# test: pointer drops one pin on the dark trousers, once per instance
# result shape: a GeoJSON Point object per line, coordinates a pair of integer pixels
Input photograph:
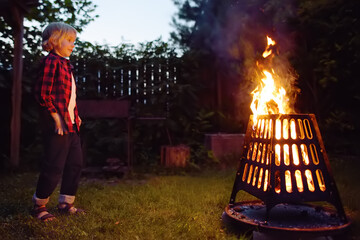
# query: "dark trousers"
{"type": "Point", "coordinates": [63, 160]}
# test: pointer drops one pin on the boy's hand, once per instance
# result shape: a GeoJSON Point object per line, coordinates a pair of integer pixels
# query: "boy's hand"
{"type": "Point", "coordinates": [60, 127]}
{"type": "Point", "coordinates": [80, 121]}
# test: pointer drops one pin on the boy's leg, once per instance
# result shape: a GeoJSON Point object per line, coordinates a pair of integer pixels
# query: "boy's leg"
{"type": "Point", "coordinates": [56, 151]}
{"type": "Point", "coordinates": [71, 176]}
{"type": "Point", "coordinates": [73, 165]}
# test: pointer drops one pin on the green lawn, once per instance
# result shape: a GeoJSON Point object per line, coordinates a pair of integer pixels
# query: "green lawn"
{"type": "Point", "coordinates": [187, 206]}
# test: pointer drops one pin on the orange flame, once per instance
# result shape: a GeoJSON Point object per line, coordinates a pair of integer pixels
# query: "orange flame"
{"type": "Point", "coordinates": [268, 97]}
{"type": "Point", "coordinates": [268, 50]}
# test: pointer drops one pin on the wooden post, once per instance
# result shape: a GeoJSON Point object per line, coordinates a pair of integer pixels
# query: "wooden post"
{"type": "Point", "coordinates": [16, 89]}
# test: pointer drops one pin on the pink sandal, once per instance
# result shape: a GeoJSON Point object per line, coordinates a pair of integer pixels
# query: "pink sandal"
{"type": "Point", "coordinates": [37, 213]}
{"type": "Point", "coordinates": [69, 209]}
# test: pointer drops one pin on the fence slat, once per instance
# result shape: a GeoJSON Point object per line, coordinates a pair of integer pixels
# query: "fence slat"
{"type": "Point", "coordinates": [146, 82]}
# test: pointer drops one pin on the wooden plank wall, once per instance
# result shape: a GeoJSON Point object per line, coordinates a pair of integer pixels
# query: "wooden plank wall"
{"type": "Point", "coordinates": [96, 79]}
{"type": "Point", "coordinates": [145, 82]}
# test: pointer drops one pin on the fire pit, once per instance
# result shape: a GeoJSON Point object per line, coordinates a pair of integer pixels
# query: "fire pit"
{"type": "Point", "coordinates": [287, 219]}
{"type": "Point", "coordinates": [284, 164]}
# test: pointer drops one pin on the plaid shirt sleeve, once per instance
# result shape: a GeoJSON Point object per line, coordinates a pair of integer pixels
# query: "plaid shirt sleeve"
{"type": "Point", "coordinates": [53, 88]}
{"type": "Point", "coordinates": [44, 86]}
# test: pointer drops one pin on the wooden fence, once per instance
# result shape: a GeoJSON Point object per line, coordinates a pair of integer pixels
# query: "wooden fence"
{"type": "Point", "coordinates": [145, 82]}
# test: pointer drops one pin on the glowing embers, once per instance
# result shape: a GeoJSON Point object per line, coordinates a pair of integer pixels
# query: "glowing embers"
{"type": "Point", "coordinates": [309, 181]}
{"type": "Point", "coordinates": [284, 161]}
{"type": "Point", "coordinates": [256, 176]}
{"type": "Point", "coordinates": [263, 129]}
{"type": "Point", "coordinates": [320, 179]}
{"type": "Point", "coordinates": [259, 152]}
{"type": "Point", "coordinates": [259, 178]}
{"type": "Point", "coordinates": [289, 128]}
{"type": "Point", "coordinates": [304, 154]}
{"type": "Point", "coordinates": [288, 181]}
{"type": "Point", "coordinates": [290, 140]}
{"type": "Point", "coordinates": [295, 156]}
{"type": "Point", "coordinates": [299, 182]}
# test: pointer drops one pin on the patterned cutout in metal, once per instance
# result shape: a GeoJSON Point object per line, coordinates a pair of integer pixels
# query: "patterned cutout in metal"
{"type": "Point", "coordinates": [284, 161]}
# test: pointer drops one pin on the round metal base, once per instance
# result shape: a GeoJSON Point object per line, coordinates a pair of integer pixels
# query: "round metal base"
{"type": "Point", "coordinates": [287, 218]}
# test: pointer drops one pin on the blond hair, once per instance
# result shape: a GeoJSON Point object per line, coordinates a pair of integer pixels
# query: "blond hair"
{"type": "Point", "coordinates": [54, 33]}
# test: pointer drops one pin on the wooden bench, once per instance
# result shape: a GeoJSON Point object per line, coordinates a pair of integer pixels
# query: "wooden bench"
{"type": "Point", "coordinates": [113, 109]}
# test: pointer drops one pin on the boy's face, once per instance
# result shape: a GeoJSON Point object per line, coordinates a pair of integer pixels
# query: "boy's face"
{"type": "Point", "coordinates": [65, 46]}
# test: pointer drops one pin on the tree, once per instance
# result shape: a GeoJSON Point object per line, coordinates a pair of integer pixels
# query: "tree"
{"type": "Point", "coordinates": [327, 61]}
{"type": "Point", "coordinates": [329, 56]}
{"type": "Point", "coordinates": [224, 39]}
{"type": "Point", "coordinates": [77, 13]}
{"type": "Point", "coordinates": [319, 38]}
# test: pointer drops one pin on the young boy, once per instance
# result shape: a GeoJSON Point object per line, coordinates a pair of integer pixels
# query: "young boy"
{"type": "Point", "coordinates": [55, 91]}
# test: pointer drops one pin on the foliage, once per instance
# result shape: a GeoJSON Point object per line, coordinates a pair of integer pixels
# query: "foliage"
{"type": "Point", "coordinates": [78, 13]}
{"type": "Point", "coordinates": [108, 140]}
{"type": "Point", "coordinates": [221, 41]}
{"type": "Point", "coordinates": [183, 122]}
{"type": "Point", "coordinates": [320, 39]}
{"type": "Point", "coordinates": [223, 38]}
{"type": "Point", "coordinates": [328, 59]}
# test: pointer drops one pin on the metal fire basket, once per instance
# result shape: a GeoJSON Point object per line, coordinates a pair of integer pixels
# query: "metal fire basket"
{"type": "Point", "coordinates": [284, 162]}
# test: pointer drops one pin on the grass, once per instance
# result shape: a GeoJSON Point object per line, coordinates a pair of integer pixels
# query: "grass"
{"type": "Point", "coordinates": [150, 207]}
{"type": "Point", "coordinates": [187, 206]}
{"type": "Point", "coordinates": [346, 174]}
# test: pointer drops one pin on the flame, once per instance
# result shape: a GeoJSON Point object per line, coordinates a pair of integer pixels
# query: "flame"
{"type": "Point", "coordinates": [268, 96]}
{"type": "Point", "coordinates": [268, 50]}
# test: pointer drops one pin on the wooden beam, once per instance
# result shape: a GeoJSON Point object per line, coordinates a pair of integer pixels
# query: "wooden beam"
{"type": "Point", "coordinates": [18, 28]}
{"type": "Point", "coordinates": [13, 12]}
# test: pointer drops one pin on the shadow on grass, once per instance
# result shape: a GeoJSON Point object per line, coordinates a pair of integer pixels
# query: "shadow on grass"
{"type": "Point", "coordinates": [235, 228]}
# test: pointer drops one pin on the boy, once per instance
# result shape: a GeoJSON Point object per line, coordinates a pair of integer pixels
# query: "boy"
{"type": "Point", "coordinates": [55, 91]}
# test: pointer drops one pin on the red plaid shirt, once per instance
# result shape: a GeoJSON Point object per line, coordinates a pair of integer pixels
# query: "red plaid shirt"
{"type": "Point", "coordinates": [53, 88]}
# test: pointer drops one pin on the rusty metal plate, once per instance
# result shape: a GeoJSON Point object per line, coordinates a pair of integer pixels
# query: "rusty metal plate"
{"type": "Point", "coordinates": [287, 218]}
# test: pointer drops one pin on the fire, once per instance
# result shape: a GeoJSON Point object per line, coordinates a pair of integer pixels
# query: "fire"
{"type": "Point", "coordinates": [268, 50]}
{"type": "Point", "coordinates": [268, 97]}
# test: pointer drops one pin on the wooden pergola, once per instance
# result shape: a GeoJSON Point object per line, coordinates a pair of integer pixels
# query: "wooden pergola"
{"type": "Point", "coordinates": [13, 12]}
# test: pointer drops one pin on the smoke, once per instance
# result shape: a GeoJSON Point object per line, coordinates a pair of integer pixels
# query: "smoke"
{"type": "Point", "coordinates": [240, 40]}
